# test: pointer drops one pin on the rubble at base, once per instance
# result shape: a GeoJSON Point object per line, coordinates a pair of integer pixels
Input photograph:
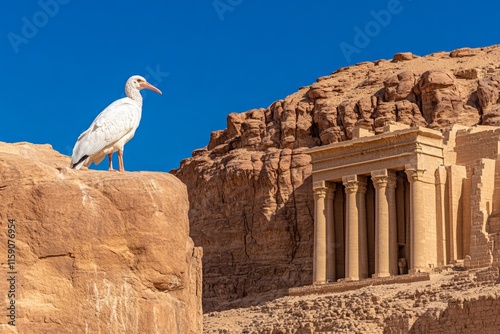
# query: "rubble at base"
{"type": "Point", "coordinates": [451, 302]}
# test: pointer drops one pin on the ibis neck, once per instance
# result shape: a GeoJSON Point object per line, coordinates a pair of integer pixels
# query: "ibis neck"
{"type": "Point", "coordinates": [134, 94]}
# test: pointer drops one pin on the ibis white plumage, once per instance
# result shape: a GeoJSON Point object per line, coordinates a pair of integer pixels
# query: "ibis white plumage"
{"type": "Point", "coordinates": [112, 128]}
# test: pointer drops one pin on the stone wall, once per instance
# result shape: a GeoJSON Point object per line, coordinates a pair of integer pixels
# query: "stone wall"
{"type": "Point", "coordinates": [476, 315]}
{"type": "Point", "coordinates": [343, 286]}
{"type": "Point", "coordinates": [481, 246]}
{"type": "Point", "coordinates": [478, 149]}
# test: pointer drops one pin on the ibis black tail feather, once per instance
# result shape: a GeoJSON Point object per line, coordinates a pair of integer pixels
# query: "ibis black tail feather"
{"type": "Point", "coordinates": [79, 164]}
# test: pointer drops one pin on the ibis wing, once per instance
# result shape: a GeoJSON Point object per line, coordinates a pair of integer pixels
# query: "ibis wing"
{"type": "Point", "coordinates": [114, 122]}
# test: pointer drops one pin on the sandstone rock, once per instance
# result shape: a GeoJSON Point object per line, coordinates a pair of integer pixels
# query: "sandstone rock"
{"type": "Point", "coordinates": [488, 92]}
{"type": "Point", "coordinates": [470, 73]}
{"type": "Point", "coordinates": [365, 107]}
{"type": "Point", "coordinates": [326, 118]}
{"type": "Point", "coordinates": [464, 52]}
{"type": "Point", "coordinates": [400, 87]}
{"type": "Point", "coordinates": [385, 113]}
{"type": "Point", "coordinates": [97, 252]}
{"type": "Point", "coordinates": [216, 139]}
{"type": "Point", "coordinates": [408, 113]}
{"type": "Point", "coordinates": [442, 101]}
{"type": "Point", "coordinates": [267, 197]}
{"type": "Point", "coordinates": [348, 115]}
{"type": "Point", "coordinates": [403, 56]}
{"type": "Point", "coordinates": [251, 198]}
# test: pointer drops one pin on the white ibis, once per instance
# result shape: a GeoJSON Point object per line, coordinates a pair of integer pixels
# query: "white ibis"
{"type": "Point", "coordinates": [112, 128]}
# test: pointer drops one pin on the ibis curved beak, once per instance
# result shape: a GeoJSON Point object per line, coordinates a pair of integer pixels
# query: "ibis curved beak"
{"type": "Point", "coordinates": [150, 86]}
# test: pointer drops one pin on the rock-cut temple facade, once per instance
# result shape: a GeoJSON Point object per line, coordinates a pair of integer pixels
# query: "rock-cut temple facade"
{"type": "Point", "coordinates": [405, 201]}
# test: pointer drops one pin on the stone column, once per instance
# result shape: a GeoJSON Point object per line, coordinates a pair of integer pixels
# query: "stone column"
{"type": "Point", "coordinates": [407, 205]}
{"type": "Point", "coordinates": [417, 219]}
{"type": "Point", "coordinates": [330, 234]}
{"type": "Point", "coordinates": [339, 217]}
{"type": "Point", "coordinates": [457, 209]}
{"type": "Point", "coordinates": [363, 234]}
{"type": "Point", "coordinates": [393, 224]}
{"type": "Point", "coordinates": [370, 227]}
{"type": "Point", "coordinates": [441, 176]}
{"type": "Point", "coordinates": [319, 259]}
{"type": "Point", "coordinates": [352, 228]}
{"type": "Point", "coordinates": [380, 179]}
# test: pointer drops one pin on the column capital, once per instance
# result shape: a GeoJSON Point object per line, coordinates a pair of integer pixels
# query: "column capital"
{"type": "Point", "coordinates": [330, 190]}
{"type": "Point", "coordinates": [354, 183]}
{"type": "Point", "coordinates": [380, 178]}
{"type": "Point", "coordinates": [414, 173]}
{"type": "Point", "coordinates": [362, 187]}
{"type": "Point", "coordinates": [351, 186]}
{"type": "Point", "coordinates": [320, 192]}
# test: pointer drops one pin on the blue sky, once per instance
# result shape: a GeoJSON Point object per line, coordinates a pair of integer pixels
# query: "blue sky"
{"type": "Point", "coordinates": [63, 61]}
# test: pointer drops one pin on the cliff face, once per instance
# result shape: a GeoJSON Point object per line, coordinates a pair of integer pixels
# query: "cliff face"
{"type": "Point", "coordinates": [96, 252]}
{"type": "Point", "coordinates": [250, 189]}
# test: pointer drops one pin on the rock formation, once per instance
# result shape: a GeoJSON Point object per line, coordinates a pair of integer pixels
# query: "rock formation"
{"type": "Point", "coordinates": [251, 204]}
{"type": "Point", "coordinates": [96, 252]}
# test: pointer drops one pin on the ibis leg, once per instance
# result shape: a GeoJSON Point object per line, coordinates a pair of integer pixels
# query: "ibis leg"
{"type": "Point", "coordinates": [120, 161]}
{"type": "Point", "coordinates": [110, 159]}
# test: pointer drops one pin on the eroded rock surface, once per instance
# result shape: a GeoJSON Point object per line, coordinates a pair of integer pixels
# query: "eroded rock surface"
{"type": "Point", "coordinates": [97, 252]}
